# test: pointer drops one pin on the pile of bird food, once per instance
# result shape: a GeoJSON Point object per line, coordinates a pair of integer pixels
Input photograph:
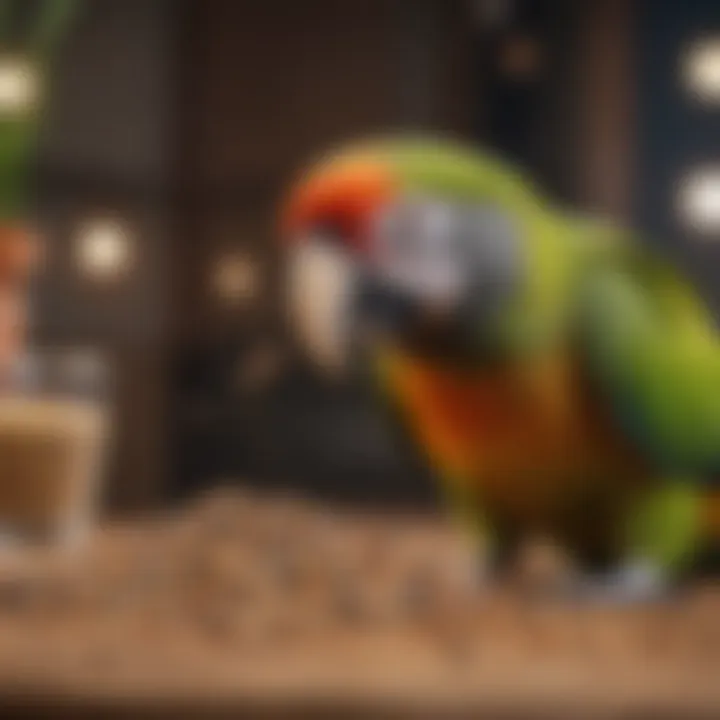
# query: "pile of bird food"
{"type": "Point", "coordinates": [275, 607]}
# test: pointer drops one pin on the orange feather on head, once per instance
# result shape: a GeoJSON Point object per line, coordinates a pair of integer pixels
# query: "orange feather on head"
{"type": "Point", "coordinates": [342, 195]}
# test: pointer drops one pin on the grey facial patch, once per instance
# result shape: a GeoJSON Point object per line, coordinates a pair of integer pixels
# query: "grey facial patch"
{"type": "Point", "coordinates": [414, 253]}
{"type": "Point", "coordinates": [438, 251]}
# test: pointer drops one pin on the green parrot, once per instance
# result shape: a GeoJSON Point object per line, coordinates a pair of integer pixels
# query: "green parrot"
{"type": "Point", "coordinates": [560, 379]}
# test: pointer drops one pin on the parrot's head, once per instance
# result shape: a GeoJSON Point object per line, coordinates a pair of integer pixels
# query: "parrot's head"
{"type": "Point", "coordinates": [426, 246]}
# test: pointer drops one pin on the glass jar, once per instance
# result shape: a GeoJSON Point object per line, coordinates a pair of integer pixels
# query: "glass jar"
{"type": "Point", "coordinates": [54, 431]}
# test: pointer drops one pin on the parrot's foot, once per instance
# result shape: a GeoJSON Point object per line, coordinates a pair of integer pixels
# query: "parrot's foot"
{"type": "Point", "coordinates": [635, 582]}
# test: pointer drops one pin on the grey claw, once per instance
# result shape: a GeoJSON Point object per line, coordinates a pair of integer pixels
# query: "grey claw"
{"type": "Point", "coordinates": [636, 582]}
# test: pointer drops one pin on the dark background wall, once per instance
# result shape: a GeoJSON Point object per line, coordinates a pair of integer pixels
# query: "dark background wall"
{"type": "Point", "coordinates": [109, 150]}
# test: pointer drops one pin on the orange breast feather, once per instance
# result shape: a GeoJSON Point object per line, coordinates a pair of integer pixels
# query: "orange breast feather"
{"type": "Point", "coordinates": [527, 432]}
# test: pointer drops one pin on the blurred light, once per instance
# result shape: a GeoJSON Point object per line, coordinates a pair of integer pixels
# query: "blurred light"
{"type": "Point", "coordinates": [103, 250]}
{"type": "Point", "coordinates": [702, 70]}
{"type": "Point", "coordinates": [699, 200]}
{"type": "Point", "coordinates": [19, 86]}
{"type": "Point", "coordinates": [236, 278]}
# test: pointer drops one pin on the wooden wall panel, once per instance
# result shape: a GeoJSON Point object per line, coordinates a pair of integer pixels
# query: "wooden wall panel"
{"type": "Point", "coordinates": [108, 149]}
{"type": "Point", "coordinates": [607, 90]}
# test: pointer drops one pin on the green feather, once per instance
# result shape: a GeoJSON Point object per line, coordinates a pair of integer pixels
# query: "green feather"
{"type": "Point", "coordinates": [665, 525]}
{"type": "Point", "coordinates": [655, 354]}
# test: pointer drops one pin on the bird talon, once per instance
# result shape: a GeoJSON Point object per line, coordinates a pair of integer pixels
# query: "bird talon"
{"type": "Point", "coordinates": [631, 584]}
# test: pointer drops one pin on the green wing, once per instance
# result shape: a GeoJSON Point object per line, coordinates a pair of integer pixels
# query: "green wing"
{"type": "Point", "coordinates": [653, 349]}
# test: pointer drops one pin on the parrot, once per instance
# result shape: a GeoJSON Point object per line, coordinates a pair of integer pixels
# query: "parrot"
{"type": "Point", "coordinates": [559, 377]}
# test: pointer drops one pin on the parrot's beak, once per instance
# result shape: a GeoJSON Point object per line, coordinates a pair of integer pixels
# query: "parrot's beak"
{"type": "Point", "coordinates": [321, 284]}
{"type": "Point", "coordinates": [337, 311]}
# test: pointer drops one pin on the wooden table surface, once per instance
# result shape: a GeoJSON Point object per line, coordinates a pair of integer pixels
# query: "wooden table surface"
{"type": "Point", "coordinates": [267, 607]}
